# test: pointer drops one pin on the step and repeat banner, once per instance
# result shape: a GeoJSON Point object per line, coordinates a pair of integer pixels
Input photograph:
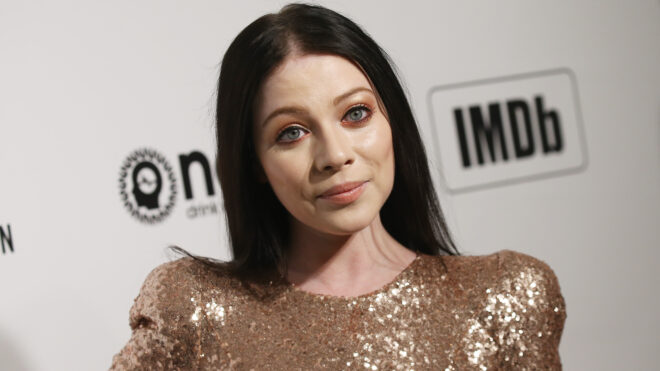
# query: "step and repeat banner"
{"type": "Point", "coordinates": [541, 121]}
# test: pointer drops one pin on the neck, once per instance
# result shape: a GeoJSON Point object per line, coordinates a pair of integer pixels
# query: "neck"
{"type": "Point", "coordinates": [345, 265]}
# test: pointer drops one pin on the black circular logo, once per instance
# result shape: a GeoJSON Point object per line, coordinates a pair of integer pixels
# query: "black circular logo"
{"type": "Point", "coordinates": [147, 185]}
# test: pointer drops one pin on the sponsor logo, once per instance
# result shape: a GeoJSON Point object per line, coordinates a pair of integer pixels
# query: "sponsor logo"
{"type": "Point", "coordinates": [510, 129]}
{"type": "Point", "coordinates": [6, 239]}
{"type": "Point", "coordinates": [149, 188]}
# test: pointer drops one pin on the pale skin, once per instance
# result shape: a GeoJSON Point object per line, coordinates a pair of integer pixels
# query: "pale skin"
{"type": "Point", "coordinates": [318, 123]}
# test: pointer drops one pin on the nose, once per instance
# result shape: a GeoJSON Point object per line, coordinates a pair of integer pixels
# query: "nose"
{"type": "Point", "coordinates": [332, 149]}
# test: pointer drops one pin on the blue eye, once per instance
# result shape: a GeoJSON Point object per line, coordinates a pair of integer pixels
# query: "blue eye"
{"type": "Point", "coordinates": [357, 114]}
{"type": "Point", "coordinates": [290, 134]}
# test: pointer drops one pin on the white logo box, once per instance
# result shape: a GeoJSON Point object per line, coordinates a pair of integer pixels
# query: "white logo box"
{"type": "Point", "coordinates": [461, 169]}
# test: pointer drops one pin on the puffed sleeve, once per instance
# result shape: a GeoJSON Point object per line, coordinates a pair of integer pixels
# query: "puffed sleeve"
{"type": "Point", "coordinates": [163, 337]}
{"type": "Point", "coordinates": [531, 312]}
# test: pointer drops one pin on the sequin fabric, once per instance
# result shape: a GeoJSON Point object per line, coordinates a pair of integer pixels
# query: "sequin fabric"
{"type": "Point", "coordinates": [502, 311]}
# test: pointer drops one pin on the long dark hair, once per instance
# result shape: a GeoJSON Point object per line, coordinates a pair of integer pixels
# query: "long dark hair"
{"type": "Point", "coordinates": [258, 223]}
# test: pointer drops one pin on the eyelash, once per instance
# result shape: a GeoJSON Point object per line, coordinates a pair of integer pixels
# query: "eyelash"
{"type": "Point", "coordinates": [368, 113]}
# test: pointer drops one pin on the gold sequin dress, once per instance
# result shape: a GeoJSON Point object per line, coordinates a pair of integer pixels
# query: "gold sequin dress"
{"type": "Point", "coordinates": [502, 311]}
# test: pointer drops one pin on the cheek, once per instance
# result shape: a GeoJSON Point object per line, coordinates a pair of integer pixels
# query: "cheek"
{"type": "Point", "coordinates": [285, 173]}
{"type": "Point", "coordinates": [377, 150]}
{"type": "Point", "coordinates": [377, 146]}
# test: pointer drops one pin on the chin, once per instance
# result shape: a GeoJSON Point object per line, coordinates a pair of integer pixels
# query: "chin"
{"type": "Point", "coordinates": [348, 223]}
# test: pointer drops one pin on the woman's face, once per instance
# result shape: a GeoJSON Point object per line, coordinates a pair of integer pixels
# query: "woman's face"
{"type": "Point", "coordinates": [318, 131]}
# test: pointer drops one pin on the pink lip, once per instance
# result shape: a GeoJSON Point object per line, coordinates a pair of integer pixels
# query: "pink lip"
{"type": "Point", "coordinates": [344, 193]}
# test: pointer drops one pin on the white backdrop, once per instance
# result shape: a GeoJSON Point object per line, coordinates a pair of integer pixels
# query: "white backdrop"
{"type": "Point", "coordinates": [83, 84]}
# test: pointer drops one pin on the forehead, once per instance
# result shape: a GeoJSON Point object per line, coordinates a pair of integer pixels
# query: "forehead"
{"type": "Point", "coordinates": [309, 77]}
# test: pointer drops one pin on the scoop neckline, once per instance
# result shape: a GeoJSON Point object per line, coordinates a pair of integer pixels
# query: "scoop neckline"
{"type": "Point", "coordinates": [404, 272]}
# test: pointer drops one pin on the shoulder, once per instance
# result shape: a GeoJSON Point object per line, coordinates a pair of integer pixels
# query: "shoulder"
{"type": "Point", "coordinates": [514, 259]}
{"type": "Point", "coordinates": [169, 272]}
{"type": "Point", "coordinates": [470, 270]}
{"type": "Point", "coordinates": [504, 265]}
{"type": "Point", "coordinates": [182, 272]}
{"type": "Point", "coordinates": [176, 286]}
{"type": "Point", "coordinates": [174, 276]}
{"type": "Point", "coordinates": [509, 283]}
{"type": "Point", "coordinates": [515, 302]}
{"type": "Point", "coordinates": [520, 272]}
{"type": "Point", "coordinates": [166, 315]}
{"type": "Point", "coordinates": [532, 284]}
{"type": "Point", "coordinates": [524, 306]}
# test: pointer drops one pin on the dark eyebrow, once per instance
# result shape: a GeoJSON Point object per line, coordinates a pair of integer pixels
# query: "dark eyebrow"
{"type": "Point", "coordinates": [299, 111]}
{"type": "Point", "coordinates": [284, 111]}
{"type": "Point", "coordinates": [349, 93]}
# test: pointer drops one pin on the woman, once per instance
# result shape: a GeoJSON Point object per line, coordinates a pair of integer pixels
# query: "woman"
{"type": "Point", "coordinates": [341, 256]}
